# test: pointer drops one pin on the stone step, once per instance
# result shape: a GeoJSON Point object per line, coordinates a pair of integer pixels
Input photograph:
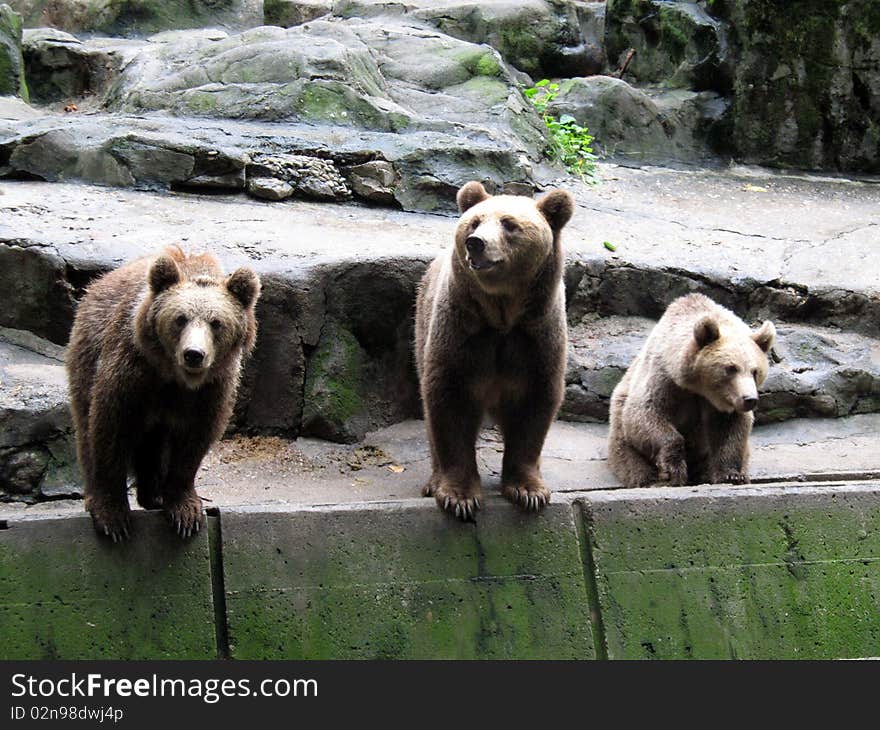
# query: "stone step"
{"type": "Point", "coordinates": [339, 282]}
{"type": "Point", "coordinates": [394, 463]}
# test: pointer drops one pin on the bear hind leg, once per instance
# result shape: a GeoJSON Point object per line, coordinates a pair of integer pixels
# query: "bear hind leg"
{"type": "Point", "coordinates": [630, 467]}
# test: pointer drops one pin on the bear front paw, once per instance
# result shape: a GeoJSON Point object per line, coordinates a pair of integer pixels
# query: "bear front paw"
{"type": "Point", "coordinates": [186, 516]}
{"type": "Point", "coordinates": [532, 494]}
{"type": "Point", "coordinates": [734, 477]}
{"type": "Point", "coordinates": [673, 473]}
{"type": "Point", "coordinates": [463, 502]}
{"type": "Point", "coordinates": [110, 519]}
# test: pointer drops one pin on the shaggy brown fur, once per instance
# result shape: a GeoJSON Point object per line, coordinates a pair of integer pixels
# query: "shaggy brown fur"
{"type": "Point", "coordinates": [683, 412]}
{"type": "Point", "coordinates": [153, 364]}
{"type": "Point", "coordinates": [491, 337]}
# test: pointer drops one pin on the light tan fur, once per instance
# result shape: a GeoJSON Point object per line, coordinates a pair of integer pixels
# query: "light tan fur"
{"type": "Point", "coordinates": [683, 411]}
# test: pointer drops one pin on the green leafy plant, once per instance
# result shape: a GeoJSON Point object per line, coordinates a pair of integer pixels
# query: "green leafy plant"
{"type": "Point", "coordinates": [570, 143]}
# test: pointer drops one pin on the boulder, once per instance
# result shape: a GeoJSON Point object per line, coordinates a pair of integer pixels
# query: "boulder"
{"type": "Point", "coordinates": [539, 37]}
{"type": "Point", "coordinates": [677, 44]}
{"type": "Point", "coordinates": [650, 125]}
{"type": "Point", "coordinates": [12, 76]}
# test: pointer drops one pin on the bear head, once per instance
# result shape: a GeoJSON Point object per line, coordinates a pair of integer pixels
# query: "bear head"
{"type": "Point", "coordinates": [730, 362]}
{"type": "Point", "coordinates": [195, 321]}
{"type": "Point", "coordinates": [504, 240]}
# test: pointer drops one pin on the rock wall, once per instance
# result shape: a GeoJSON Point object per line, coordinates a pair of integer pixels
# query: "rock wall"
{"type": "Point", "coordinates": [803, 78]}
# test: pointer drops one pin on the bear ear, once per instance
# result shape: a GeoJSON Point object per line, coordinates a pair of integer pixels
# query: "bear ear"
{"type": "Point", "coordinates": [765, 336]}
{"type": "Point", "coordinates": [244, 285]}
{"type": "Point", "coordinates": [163, 274]}
{"type": "Point", "coordinates": [557, 207]}
{"type": "Point", "coordinates": [470, 194]}
{"type": "Point", "coordinates": [706, 331]}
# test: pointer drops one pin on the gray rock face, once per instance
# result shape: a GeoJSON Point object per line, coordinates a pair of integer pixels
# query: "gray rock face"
{"type": "Point", "coordinates": [37, 448]}
{"type": "Point", "coordinates": [653, 125]}
{"type": "Point", "coordinates": [677, 44]}
{"type": "Point", "coordinates": [541, 38]}
{"type": "Point", "coordinates": [807, 83]}
{"type": "Point", "coordinates": [138, 17]}
{"type": "Point", "coordinates": [430, 110]}
{"type": "Point", "coordinates": [12, 80]}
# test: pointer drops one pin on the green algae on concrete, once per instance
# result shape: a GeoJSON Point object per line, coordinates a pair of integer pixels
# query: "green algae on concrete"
{"type": "Point", "coordinates": [404, 580]}
{"type": "Point", "coordinates": [66, 593]}
{"type": "Point", "coordinates": [749, 573]}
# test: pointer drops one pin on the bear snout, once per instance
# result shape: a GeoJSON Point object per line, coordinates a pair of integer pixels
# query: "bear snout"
{"type": "Point", "coordinates": [749, 402]}
{"type": "Point", "coordinates": [194, 351]}
{"type": "Point", "coordinates": [477, 256]}
{"type": "Point", "coordinates": [474, 245]}
{"type": "Point", "coordinates": [193, 357]}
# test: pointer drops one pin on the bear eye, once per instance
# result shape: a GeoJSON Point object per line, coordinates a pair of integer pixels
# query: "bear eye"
{"type": "Point", "coordinates": [181, 320]}
{"type": "Point", "coordinates": [474, 223]}
{"type": "Point", "coordinates": [216, 325]}
{"type": "Point", "coordinates": [509, 225]}
{"type": "Point", "coordinates": [731, 370]}
{"type": "Point", "coordinates": [755, 373]}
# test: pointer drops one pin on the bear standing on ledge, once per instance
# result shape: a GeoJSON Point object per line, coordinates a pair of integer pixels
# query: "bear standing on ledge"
{"type": "Point", "coordinates": [491, 337]}
{"type": "Point", "coordinates": [683, 412]}
{"type": "Point", "coordinates": [154, 362]}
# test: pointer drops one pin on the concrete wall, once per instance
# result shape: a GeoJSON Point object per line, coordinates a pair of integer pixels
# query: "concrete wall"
{"type": "Point", "coordinates": [710, 572]}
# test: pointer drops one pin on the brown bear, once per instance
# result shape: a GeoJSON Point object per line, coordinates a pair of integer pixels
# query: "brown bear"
{"type": "Point", "coordinates": [682, 414]}
{"type": "Point", "coordinates": [491, 338]}
{"type": "Point", "coordinates": [153, 364]}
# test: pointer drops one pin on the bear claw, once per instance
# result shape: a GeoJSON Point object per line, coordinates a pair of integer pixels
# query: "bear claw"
{"type": "Point", "coordinates": [186, 517]}
{"type": "Point", "coordinates": [532, 499]}
{"type": "Point", "coordinates": [111, 523]}
{"type": "Point", "coordinates": [464, 508]}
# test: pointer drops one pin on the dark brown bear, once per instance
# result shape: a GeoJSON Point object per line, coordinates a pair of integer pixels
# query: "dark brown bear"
{"type": "Point", "coordinates": [682, 414]}
{"type": "Point", "coordinates": [153, 363]}
{"type": "Point", "coordinates": [491, 338]}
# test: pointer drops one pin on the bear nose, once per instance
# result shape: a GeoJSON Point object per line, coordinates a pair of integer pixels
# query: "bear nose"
{"type": "Point", "coordinates": [749, 402]}
{"type": "Point", "coordinates": [193, 358]}
{"type": "Point", "coordinates": [474, 245]}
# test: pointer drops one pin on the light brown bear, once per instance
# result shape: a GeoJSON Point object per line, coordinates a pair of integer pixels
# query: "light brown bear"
{"type": "Point", "coordinates": [153, 364]}
{"type": "Point", "coordinates": [682, 414]}
{"type": "Point", "coordinates": [491, 338]}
